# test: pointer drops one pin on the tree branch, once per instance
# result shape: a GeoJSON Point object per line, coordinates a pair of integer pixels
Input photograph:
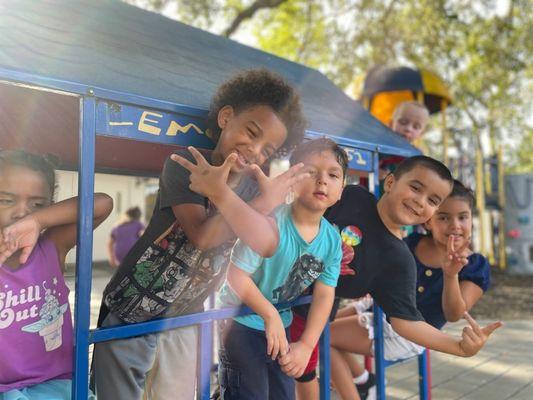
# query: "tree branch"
{"type": "Point", "coordinates": [249, 13]}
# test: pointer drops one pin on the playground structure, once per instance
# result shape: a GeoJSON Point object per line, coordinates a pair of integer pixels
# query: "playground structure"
{"type": "Point", "coordinates": [111, 88]}
{"type": "Point", "coordinates": [518, 228]}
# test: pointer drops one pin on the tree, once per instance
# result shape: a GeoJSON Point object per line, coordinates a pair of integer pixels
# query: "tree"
{"type": "Point", "coordinates": [483, 55]}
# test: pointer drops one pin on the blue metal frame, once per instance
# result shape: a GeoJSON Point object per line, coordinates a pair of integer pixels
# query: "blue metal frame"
{"type": "Point", "coordinates": [85, 248]}
{"type": "Point", "coordinates": [96, 113]}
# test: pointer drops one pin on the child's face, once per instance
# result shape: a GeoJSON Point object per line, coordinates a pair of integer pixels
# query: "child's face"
{"type": "Point", "coordinates": [415, 196]}
{"type": "Point", "coordinates": [22, 191]}
{"type": "Point", "coordinates": [410, 123]}
{"type": "Point", "coordinates": [253, 134]}
{"type": "Point", "coordinates": [324, 186]}
{"type": "Point", "coordinates": [454, 217]}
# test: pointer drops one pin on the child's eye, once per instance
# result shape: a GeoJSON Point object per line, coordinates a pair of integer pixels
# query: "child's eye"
{"type": "Point", "coordinates": [433, 202]}
{"type": "Point", "coordinates": [335, 176]}
{"type": "Point", "coordinates": [251, 132]}
{"type": "Point", "coordinates": [415, 188]}
{"type": "Point", "coordinates": [6, 202]}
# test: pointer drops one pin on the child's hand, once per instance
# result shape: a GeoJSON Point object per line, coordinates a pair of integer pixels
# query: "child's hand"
{"type": "Point", "coordinates": [474, 337]}
{"type": "Point", "coordinates": [277, 188]}
{"type": "Point", "coordinates": [455, 259]}
{"type": "Point", "coordinates": [296, 360]}
{"type": "Point", "coordinates": [205, 178]}
{"type": "Point", "coordinates": [22, 234]}
{"type": "Point", "coordinates": [276, 338]}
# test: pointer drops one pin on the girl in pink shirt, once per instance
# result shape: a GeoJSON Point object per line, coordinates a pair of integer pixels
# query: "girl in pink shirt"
{"type": "Point", "coordinates": [35, 237]}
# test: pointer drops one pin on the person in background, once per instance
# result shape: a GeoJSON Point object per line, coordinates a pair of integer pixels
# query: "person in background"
{"type": "Point", "coordinates": [124, 235]}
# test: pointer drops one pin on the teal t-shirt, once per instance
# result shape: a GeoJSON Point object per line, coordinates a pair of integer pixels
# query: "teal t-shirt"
{"type": "Point", "coordinates": [294, 267]}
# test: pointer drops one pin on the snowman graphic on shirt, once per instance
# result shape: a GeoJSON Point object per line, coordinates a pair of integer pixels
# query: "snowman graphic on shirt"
{"type": "Point", "coordinates": [50, 325]}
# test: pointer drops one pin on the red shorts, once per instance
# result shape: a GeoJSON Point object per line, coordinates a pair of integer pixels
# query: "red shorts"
{"type": "Point", "coordinates": [297, 327]}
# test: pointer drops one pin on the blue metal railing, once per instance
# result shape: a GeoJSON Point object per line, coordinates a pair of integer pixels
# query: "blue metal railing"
{"type": "Point", "coordinates": [380, 364]}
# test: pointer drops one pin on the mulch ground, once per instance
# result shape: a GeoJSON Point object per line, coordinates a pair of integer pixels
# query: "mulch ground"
{"type": "Point", "coordinates": [510, 297]}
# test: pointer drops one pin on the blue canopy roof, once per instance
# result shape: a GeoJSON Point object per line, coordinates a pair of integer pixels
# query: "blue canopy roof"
{"type": "Point", "coordinates": [115, 46]}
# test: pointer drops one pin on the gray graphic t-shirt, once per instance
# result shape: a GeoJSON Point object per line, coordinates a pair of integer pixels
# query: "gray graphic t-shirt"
{"type": "Point", "coordinates": [164, 274]}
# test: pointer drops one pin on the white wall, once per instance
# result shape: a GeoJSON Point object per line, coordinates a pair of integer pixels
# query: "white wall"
{"type": "Point", "coordinates": [126, 192]}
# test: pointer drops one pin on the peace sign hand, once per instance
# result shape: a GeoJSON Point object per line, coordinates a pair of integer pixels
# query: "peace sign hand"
{"type": "Point", "coordinates": [206, 179]}
{"type": "Point", "coordinates": [275, 189]}
{"type": "Point", "coordinates": [474, 337]}
{"type": "Point", "coordinates": [455, 259]}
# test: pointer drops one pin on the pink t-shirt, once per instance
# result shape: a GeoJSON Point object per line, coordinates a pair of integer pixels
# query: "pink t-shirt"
{"type": "Point", "coordinates": [35, 321]}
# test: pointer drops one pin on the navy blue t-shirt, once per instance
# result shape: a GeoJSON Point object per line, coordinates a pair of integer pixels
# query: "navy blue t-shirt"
{"type": "Point", "coordinates": [430, 283]}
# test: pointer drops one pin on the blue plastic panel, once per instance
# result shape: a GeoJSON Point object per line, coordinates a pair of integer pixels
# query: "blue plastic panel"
{"type": "Point", "coordinates": [149, 125]}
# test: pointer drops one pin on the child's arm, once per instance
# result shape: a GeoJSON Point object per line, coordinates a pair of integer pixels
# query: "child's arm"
{"type": "Point", "coordinates": [60, 222]}
{"type": "Point", "coordinates": [247, 221]}
{"type": "Point", "coordinates": [243, 285]}
{"type": "Point", "coordinates": [473, 337]}
{"type": "Point", "coordinates": [295, 362]}
{"type": "Point", "coordinates": [457, 297]}
{"type": "Point", "coordinates": [110, 253]}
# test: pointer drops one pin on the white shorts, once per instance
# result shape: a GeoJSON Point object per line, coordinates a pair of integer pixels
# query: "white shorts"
{"type": "Point", "coordinates": [395, 347]}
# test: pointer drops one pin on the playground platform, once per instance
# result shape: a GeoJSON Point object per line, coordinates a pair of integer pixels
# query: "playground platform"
{"type": "Point", "coordinates": [502, 370]}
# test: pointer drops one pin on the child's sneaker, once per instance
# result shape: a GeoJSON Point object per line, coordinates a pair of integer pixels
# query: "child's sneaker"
{"type": "Point", "coordinates": [367, 390]}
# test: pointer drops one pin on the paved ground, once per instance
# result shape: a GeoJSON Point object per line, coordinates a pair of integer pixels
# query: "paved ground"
{"type": "Point", "coordinates": [503, 370]}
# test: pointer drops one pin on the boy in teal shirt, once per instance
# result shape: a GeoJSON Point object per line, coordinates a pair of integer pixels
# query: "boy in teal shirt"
{"type": "Point", "coordinates": [308, 250]}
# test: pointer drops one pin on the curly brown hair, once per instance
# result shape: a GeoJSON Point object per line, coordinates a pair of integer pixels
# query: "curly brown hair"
{"type": "Point", "coordinates": [257, 87]}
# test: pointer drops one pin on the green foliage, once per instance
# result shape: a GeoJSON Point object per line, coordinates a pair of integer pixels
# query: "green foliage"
{"type": "Point", "coordinates": [484, 57]}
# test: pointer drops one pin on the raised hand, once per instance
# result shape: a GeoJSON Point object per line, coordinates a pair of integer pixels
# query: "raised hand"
{"type": "Point", "coordinates": [21, 235]}
{"type": "Point", "coordinates": [455, 259]}
{"type": "Point", "coordinates": [295, 361]}
{"type": "Point", "coordinates": [206, 179]}
{"type": "Point", "coordinates": [276, 189]}
{"type": "Point", "coordinates": [474, 337]}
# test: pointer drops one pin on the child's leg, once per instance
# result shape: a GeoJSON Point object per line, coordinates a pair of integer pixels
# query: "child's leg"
{"type": "Point", "coordinates": [55, 389]}
{"type": "Point", "coordinates": [307, 384]}
{"type": "Point", "coordinates": [355, 367]}
{"type": "Point", "coordinates": [120, 366]}
{"type": "Point", "coordinates": [308, 390]}
{"type": "Point", "coordinates": [243, 372]}
{"type": "Point", "coordinates": [280, 385]}
{"type": "Point", "coordinates": [341, 376]}
{"type": "Point", "coordinates": [173, 374]}
{"type": "Point", "coordinates": [348, 335]}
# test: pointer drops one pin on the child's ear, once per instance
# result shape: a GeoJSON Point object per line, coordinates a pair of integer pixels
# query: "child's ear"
{"type": "Point", "coordinates": [224, 115]}
{"type": "Point", "coordinates": [389, 181]}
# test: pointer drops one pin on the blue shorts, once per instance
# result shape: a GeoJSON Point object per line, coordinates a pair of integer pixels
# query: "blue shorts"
{"type": "Point", "coordinates": [56, 389]}
{"type": "Point", "coordinates": [245, 370]}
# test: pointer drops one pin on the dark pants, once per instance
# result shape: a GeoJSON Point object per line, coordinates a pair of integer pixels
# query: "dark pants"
{"type": "Point", "coordinates": [246, 372]}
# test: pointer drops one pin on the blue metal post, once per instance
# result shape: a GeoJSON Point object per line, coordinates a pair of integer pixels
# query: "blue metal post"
{"type": "Point", "coordinates": [84, 247]}
{"type": "Point", "coordinates": [205, 360]}
{"type": "Point", "coordinates": [379, 358]}
{"type": "Point", "coordinates": [423, 376]}
{"type": "Point", "coordinates": [325, 364]}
